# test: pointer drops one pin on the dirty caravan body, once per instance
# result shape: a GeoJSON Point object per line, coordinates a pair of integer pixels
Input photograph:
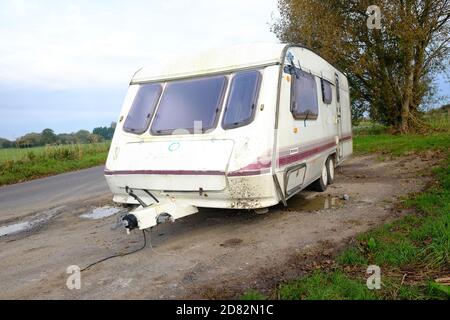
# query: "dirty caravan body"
{"type": "Point", "coordinates": [245, 127]}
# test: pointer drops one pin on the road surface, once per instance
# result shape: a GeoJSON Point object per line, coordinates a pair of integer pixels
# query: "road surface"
{"type": "Point", "coordinates": [22, 199]}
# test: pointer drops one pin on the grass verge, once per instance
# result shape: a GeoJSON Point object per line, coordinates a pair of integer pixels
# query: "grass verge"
{"type": "Point", "coordinates": [401, 144]}
{"type": "Point", "coordinates": [42, 162]}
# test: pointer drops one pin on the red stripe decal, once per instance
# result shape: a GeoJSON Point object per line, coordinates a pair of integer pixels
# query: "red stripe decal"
{"type": "Point", "coordinates": [286, 160]}
{"type": "Point", "coordinates": [345, 138]}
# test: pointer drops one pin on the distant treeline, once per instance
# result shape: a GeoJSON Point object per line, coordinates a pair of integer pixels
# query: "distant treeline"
{"type": "Point", "coordinates": [49, 137]}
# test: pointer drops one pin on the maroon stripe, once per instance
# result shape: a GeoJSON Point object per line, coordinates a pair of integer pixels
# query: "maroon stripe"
{"type": "Point", "coordinates": [247, 173]}
{"type": "Point", "coordinates": [345, 138]}
{"type": "Point", "coordinates": [286, 160]}
{"type": "Point", "coordinates": [252, 169]}
{"type": "Point", "coordinates": [172, 172]}
{"type": "Point", "coordinates": [283, 160]}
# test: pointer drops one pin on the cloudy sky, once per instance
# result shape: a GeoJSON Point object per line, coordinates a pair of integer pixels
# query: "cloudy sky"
{"type": "Point", "coordinates": [66, 64]}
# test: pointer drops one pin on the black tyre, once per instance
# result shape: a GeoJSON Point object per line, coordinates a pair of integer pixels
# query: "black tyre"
{"type": "Point", "coordinates": [330, 170]}
{"type": "Point", "coordinates": [321, 183]}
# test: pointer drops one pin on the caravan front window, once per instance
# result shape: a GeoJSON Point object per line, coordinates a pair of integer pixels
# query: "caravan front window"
{"type": "Point", "coordinates": [142, 109]}
{"type": "Point", "coordinates": [241, 104]}
{"type": "Point", "coordinates": [185, 102]}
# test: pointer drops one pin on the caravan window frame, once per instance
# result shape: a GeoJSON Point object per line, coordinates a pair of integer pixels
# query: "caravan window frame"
{"type": "Point", "coordinates": [325, 99]}
{"type": "Point", "coordinates": [151, 108]}
{"type": "Point", "coordinates": [295, 114]}
{"type": "Point", "coordinates": [218, 106]}
{"type": "Point", "coordinates": [254, 99]}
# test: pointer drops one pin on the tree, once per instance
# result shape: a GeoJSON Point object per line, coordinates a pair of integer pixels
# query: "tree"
{"type": "Point", "coordinates": [66, 138]}
{"type": "Point", "coordinates": [391, 69]}
{"type": "Point", "coordinates": [5, 143]}
{"type": "Point", "coordinates": [29, 140]}
{"type": "Point", "coordinates": [95, 138]}
{"type": "Point", "coordinates": [48, 136]}
{"type": "Point", "coordinates": [82, 136]}
{"type": "Point", "coordinates": [105, 132]}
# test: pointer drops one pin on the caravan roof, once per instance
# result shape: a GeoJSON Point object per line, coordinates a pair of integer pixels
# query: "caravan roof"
{"type": "Point", "coordinates": [213, 61]}
{"type": "Point", "coordinates": [227, 59]}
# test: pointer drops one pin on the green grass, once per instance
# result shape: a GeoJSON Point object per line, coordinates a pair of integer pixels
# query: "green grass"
{"type": "Point", "coordinates": [352, 256]}
{"type": "Point", "coordinates": [401, 144]}
{"type": "Point", "coordinates": [326, 286]}
{"type": "Point", "coordinates": [22, 153]}
{"type": "Point", "coordinates": [417, 245]}
{"type": "Point", "coordinates": [371, 137]}
{"type": "Point", "coordinates": [439, 121]}
{"type": "Point", "coordinates": [17, 165]}
{"type": "Point", "coordinates": [253, 295]}
{"type": "Point", "coordinates": [434, 121]}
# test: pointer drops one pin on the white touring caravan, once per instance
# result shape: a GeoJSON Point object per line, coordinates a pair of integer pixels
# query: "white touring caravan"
{"type": "Point", "coordinates": [245, 127]}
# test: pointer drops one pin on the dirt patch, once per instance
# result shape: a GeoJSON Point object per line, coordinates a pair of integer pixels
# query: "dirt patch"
{"type": "Point", "coordinates": [212, 254]}
{"type": "Point", "coordinates": [230, 243]}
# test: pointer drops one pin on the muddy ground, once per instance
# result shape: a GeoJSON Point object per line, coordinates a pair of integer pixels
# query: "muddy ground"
{"type": "Point", "coordinates": [212, 254]}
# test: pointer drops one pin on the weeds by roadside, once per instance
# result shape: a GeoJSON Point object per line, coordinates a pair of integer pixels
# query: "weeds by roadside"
{"type": "Point", "coordinates": [45, 161]}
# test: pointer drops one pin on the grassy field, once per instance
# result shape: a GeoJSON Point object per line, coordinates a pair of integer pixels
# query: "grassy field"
{"type": "Point", "coordinates": [22, 153]}
{"type": "Point", "coordinates": [398, 145]}
{"type": "Point", "coordinates": [375, 138]}
{"type": "Point", "coordinates": [417, 245]}
{"type": "Point", "coordinates": [17, 165]}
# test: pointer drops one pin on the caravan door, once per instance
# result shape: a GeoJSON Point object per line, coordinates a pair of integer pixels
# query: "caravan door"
{"type": "Point", "coordinates": [339, 117]}
{"type": "Point", "coordinates": [299, 134]}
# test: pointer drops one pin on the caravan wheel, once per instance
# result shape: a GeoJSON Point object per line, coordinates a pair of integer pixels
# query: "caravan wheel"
{"type": "Point", "coordinates": [321, 183]}
{"type": "Point", "coordinates": [330, 170]}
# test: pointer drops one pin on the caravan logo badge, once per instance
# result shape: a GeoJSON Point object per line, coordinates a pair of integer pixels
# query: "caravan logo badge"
{"type": "Point", "coordinates": [174, 146]}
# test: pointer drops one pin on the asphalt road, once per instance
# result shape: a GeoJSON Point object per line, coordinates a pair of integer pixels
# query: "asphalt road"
{"type": "Point", "coordinates": [22, 199]}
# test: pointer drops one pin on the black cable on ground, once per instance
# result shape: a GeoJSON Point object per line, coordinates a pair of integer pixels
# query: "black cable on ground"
{"type": "Point", "coordinates": [118, 255]}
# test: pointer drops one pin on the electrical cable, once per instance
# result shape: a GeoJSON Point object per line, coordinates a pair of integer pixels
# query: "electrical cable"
{"type": "Point", "coordinates": [139, 249]}
{"type": "Point", "coordinates": [118, 255]}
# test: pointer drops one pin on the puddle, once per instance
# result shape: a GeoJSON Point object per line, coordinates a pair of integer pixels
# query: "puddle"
{"type": "Point", "coordinates": [300, 203]}
{"type": "Point", "coordinates": [34, 221]}
{"type": "Point", "coordinates": [100, 213]}
{"type": "Point", "coordinates": [14, 228]}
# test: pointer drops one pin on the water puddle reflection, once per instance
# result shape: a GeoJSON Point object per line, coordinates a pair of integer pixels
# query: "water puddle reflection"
{"type": "Point", "coordinates": [300, 203]}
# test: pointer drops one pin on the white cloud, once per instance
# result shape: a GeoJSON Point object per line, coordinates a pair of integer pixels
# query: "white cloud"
{"type": "Point", "coordinates": [60, 45]}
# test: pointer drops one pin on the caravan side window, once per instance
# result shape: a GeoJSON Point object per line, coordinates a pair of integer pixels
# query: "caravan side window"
{"type": "Point", "coordinates": [142, 109]}
{"type": "Point", "coordinates": [304, 100]}
{"type": "Point", "coordinates": [241, 105]}
{"type": "Point", "coordinates": [327, 95]}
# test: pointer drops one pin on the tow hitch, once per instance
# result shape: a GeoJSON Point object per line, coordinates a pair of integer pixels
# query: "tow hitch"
{"type": "Point", "coordinates": [147, 216]}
